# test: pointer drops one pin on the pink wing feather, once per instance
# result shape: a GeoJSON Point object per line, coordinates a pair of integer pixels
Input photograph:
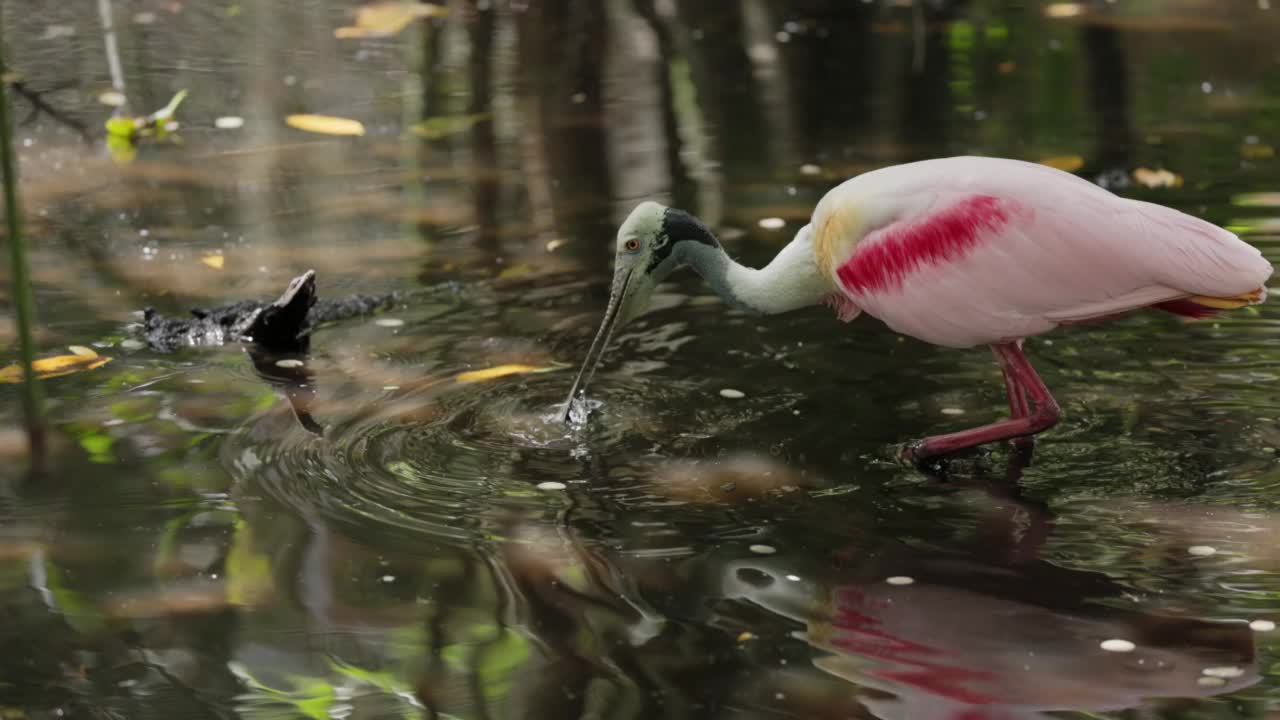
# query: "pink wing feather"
{"type": "Point", "coordinates": [968, 251]}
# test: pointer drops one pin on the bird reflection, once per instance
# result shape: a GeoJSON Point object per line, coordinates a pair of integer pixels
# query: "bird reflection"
{"type": "Point", "coordinates": [990, 631]}
{"type": "Point", "coordinates": [984, 629]}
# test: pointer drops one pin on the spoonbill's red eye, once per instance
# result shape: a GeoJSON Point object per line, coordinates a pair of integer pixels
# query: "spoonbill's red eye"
{"type": "Point", "coordinates": [632, 245]}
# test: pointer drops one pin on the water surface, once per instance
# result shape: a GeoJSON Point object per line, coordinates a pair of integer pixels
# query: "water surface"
{"type": "Point", "coordinates": [440, 550]}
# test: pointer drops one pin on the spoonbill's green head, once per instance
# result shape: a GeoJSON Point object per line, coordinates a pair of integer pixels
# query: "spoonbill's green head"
{"type": "Point", "coordinates": [652, 242]}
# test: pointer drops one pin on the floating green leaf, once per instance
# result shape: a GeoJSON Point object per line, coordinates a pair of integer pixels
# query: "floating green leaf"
{"type": "Point", "coordinates": [445, 125]}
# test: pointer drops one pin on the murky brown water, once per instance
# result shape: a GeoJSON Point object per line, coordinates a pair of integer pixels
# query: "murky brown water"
{"type": "Point", "coordinates": [442, 551]}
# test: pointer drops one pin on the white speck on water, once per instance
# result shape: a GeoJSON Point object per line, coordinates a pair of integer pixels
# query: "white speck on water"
{"type": "Point", "coordinates": [1206, 87]}
{"type": "Point", "coordinates": [1262, 626]}
{"type": "Point", "coordinates": [1225, 671]}
{"type": "Point", "coordinates": [229, 122]}
{"type": "Point", "coordinates": [1117, 645]}
{"type": "Point", "coordinates": [388, 322]}
{"type": "Point", "coordinates": [782, 36]}
{"type": "Point", "coordinates": [793, 578]}
{"type": "Point", "coordinates": [900, 580]}
{"type": "Point", "coordinates": [732, 394]}
{"type": "Point", "coordinates": [1211, 682]}
{"type": "Point", "coordinates": [290, 80]}
{"type": "Point", "coordinates": [779, 696]}
{"type": "Point", "coordinates": [289, 363]}
{"type": "Point", "coordinates": [131, 344]}
{"type": "Point", "coordinates": [551, 485]}
{"type": "Point", "coordinates": [390, 387]}
{"type": "Point", "coordinates": [772, 223]}
{"type": "Point", "coordinates": [763, 549]}
{"type": "Point", "coordinates": [578, 98]}
{"type": "Point", "coordinates": [53, 32]}
{"type": "Point", "coordinates": [388, 578]}
{"type": "Point", "coordinates": [1202, 550]}
{"type": "Point", "coordinates": [810, 169]}
{"type": "Point", "coordinates": [952, 411]}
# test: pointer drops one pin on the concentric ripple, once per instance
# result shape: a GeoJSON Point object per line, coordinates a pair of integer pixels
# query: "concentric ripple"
{"type": "Point", "coordinates": [460, 461]}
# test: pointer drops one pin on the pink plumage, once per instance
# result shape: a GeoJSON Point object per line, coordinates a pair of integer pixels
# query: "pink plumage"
{"type": "Point", "coordinates": [971, 251]}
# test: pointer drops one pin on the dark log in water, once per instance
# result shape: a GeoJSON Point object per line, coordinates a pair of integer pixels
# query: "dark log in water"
{"type": "Point", "coordinates": [279, 325]}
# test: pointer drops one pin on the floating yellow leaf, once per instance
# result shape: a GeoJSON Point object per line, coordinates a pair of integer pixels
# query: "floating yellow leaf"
{"type": "Point", "coordinates": [1066, 163]}
{"type": "Point", "coordinates": [446, 125]}
{"type": "Point", "coordinates": [81, 358]}
{"type": "Point", "coordinates": [213, 261]}
{"type": "Point", "coordinates": [494, 373]}
{"type": "Point", "coordinates": [515, 271]}
{"type": "Point", "coordinates": [325, 124]}
{"type": "Point", "coordinates": [1064, 9]}
{"type": "Point", "coordinates": [1257, 151]}
{"type": "Point", "coordinates": [387, 18]}
{"type": "Point", "coordinates": [1262, 199]}
{"type": "Point", "coordinates": [1156, 178]}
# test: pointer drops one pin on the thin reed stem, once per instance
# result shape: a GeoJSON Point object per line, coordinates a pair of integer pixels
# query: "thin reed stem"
{"type": "Point", "coordinates": [32, 399]}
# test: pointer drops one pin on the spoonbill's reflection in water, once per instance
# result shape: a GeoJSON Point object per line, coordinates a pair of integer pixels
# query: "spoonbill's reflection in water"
{"type": "Point", "coordinates": [993, 634]}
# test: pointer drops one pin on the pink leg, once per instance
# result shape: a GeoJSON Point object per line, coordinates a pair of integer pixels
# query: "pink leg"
{"type": "Point", "coordinates": [1017, 408]}
{"type": "Point", "coordinates": [1019, 373]}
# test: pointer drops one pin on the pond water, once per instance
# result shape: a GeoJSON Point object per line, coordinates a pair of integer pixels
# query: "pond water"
{"type": "Point", "coordinates": [439, 549]}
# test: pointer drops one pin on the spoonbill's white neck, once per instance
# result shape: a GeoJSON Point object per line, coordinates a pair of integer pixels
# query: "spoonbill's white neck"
{"type": "Point", "coordinates": [791, 281]}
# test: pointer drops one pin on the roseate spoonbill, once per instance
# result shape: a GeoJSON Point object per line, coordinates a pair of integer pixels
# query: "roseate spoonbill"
{"type": "Point", "coordinates": [957, 252]}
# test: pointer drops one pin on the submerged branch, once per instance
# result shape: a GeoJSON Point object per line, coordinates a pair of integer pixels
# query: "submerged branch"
{"type": "Point", "coordinates": [40, 105]}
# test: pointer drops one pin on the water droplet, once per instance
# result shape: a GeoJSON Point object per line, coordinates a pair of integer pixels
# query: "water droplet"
{"type": "Point", "coordinates": [810, 169]}
{"type": "Point", "coordinates": [1262, 626]}
{"type": "Point", "coordinates": [229, 122]}
{"type": "Point", "coordinates": [1117, 645]}
{"type": "Point", "coordinates": [1202, 550]}
{"type": "Point", "coordinates": [1225, 671]}
{"type": "Point", "coordinates": [389, 322]}
{"type": "Point", "coordinates": [732, 394]}
{"type": "Point", "coordinates": [131, 344]}
{"type": "Point", "coordinates": [289, 363]}
{"type": "Point", "coordinates": [551, 485]}
{"type": "Point", "coordinates": [793, 578]}
{"type": "Point", "coordinates": [772, 223]}
{"type": "Point", "coordinates": [388, 578]}
{"type": "Point", "coordinates": [763, 549]}
{"type": "Point", "coordinates": [900, 580]}
{"type": "Point", "coordinates": [1211, 682]}
{"type": "Point", "coordinates": [952, 411]}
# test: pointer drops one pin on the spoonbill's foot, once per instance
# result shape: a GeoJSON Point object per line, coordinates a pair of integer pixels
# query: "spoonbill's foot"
{"type": "Point", "coordinates": [1024, 447]}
